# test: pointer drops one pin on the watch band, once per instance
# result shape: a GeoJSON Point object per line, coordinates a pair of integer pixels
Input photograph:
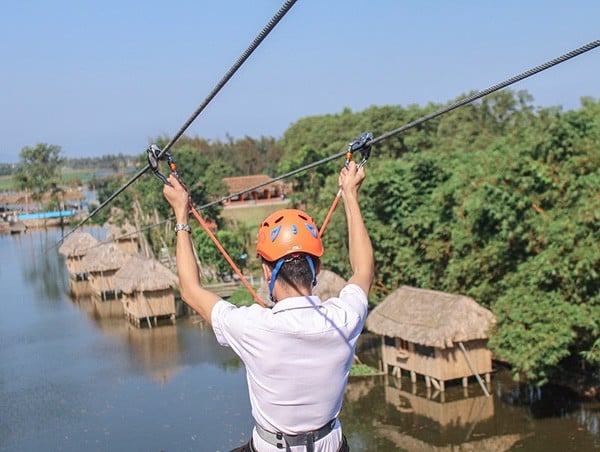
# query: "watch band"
{"type": "Point", "coordinates": [182, 227]}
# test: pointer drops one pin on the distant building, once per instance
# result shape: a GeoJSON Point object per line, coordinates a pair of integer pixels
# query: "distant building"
{"type": "Point", "coordinates": [273, 190]}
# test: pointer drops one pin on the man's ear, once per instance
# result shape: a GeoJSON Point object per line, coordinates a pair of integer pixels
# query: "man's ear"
{"type": "Point", "coordinates": [267, 271]}
{"type": "Point", "coordinates": [318, 267]}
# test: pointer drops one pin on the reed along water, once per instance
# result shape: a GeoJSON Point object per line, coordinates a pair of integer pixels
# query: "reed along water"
{"type": "Point", "coordinates": [75, 375]}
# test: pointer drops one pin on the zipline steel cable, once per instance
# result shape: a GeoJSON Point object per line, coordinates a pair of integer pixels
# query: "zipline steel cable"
{"type": "Point", "coordinates": [240, 61]}
{"type": "Point", "coordinates": [497, 87]}
{"type": "Point", "coordinates": [467, 100]}
{"type": "Point", "coordinates": [473, 97]}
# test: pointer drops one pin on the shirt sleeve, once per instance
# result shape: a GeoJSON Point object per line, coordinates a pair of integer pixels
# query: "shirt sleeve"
{"type": "Point", "coordinates": [219, 313]}
{"type": "Point", "coordinates": [230, 323]}
{"type": "Point", "coordinates": [354, 295]}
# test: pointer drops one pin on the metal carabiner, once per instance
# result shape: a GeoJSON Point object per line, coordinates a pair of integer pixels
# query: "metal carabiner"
{"type": "Point", "coordinates": [155, 154]}
{"type": "Point", "coordinates": [360, 144]}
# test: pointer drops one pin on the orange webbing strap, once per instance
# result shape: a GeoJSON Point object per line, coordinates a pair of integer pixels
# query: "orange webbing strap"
{"type": "Point", "coordinates": [330, 213]}
{"type": "Point", "coordinates": [226, 256]}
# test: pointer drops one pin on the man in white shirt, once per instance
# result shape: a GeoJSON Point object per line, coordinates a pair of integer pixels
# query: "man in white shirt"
{"type": "Point", "coordinates": [297, 354]}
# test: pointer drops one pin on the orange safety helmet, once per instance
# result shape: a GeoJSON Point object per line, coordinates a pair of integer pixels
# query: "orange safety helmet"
{"type": "Point", "coordinates": [288, 231]}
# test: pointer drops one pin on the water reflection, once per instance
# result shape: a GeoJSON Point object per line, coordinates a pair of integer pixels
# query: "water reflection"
{"type": "Point", "coordinates": [75, 375]}
{"type": "Point", "coordinates": [46, 274]}
{"type": "Point", "coordinates": [158, 352]}
{"type": "Point", "coordinates": [454, 416]}
{"type": "Point", "coordinates": [155, 352]}
{"type": "Point", "coordinates": [459, 412]}
{"type": "Point", "coordinates": [391, 413]}
{"type": "Point", "coordinates": [79, 289]}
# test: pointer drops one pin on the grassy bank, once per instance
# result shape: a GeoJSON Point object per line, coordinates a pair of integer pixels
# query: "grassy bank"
{"type": "Point", "coordinates": [251, 214]}
{"type": "Point", "coordinates": [6, 183]}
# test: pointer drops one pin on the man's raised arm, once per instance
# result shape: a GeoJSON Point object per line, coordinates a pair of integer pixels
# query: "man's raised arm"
{"type": "Point", "coordinates": [359, 242]}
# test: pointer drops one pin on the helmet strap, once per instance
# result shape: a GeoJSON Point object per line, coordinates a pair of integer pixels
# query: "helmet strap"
{"type": "Point", "coordinates": [277, 268]}
{"type": "Point", "coordinates": [311, 264]}
{"type": "Point", "coordinates": [274, 274]}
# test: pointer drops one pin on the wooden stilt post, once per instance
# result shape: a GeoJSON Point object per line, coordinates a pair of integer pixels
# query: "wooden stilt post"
{"type": "Point", "coordinates": [464, 350]}
{"type": "Point", "coordinates": [149, 310]}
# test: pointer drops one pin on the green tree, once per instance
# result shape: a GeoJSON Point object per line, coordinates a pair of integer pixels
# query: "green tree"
{"type": "Point", "coordinates": [496, 202]}
{"type": "Point", "coordinates": [211, 256]}
{"type": "Point", "coordinates": [39, 169]}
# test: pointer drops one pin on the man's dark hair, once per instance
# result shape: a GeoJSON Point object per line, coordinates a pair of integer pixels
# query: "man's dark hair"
{"type": "Point", "coordinates": [295, 271]}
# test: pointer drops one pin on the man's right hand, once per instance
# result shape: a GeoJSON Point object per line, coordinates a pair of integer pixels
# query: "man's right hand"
{"type": "Point", "coordinates": [178, 197]}
{"type": "Point", "coordinates": [351, 178]}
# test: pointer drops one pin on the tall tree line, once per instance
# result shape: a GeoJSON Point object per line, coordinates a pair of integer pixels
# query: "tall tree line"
{"type": "Point", "coordinates": [497, 200]}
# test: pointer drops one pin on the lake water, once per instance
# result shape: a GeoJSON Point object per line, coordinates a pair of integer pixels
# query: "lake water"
{"type": "Point", "coordinates": [75, 375]}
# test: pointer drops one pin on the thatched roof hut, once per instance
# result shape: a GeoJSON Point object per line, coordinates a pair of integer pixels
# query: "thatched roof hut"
{"type": "Point", "coordinates": [435, 334]}
{"type": "Point", "coordinates": [104, 257]}
{"type": "Point", "coordinates": [78, 244]}
{"type": "Point", "coordinates": [147, 288]}
{"type": "Point", "coordinates": [75, 247]}
{"type": "Point", "coordinates": [138, 275]}
{"type": "Point", "coordinates": [101, 263]}
{"type": "Point", "coordinates": [429, 317]}
{"type": "Point", "coordinates": [125, 236]}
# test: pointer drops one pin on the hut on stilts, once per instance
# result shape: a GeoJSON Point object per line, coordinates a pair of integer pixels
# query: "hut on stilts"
{"type": "Point", "coordinates": [147, 288]}
{"type": "Point", "coordinates": [101, 264]}
{"type": "Point", "coordinates": [75, 247]}
{"type": "Point", "coordinates": [434, 334]}
{"type": "Point", "coordinates": [126, 236]}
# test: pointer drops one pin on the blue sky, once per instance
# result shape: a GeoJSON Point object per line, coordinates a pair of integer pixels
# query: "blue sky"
{"type": "Point", "coordinates": [107, 77]}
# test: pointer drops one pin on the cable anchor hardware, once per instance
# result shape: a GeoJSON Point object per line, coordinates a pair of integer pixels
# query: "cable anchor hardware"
{"type": "Point", "coordinates": [360, 144]}
{"type": "Point", "coordinates": [155, 155]}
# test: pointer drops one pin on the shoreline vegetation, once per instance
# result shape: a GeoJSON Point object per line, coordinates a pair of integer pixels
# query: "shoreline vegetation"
{"type": "Point", "coordinates": [498, 201]}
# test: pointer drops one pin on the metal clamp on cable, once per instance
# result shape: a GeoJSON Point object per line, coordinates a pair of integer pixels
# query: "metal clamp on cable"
{"type": "Point", "coordinates": [360, 144]}
{"type": "Point", "coordinates": [155, 155]}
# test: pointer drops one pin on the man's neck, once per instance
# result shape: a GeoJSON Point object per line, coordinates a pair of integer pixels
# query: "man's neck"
{"type": "Point", "coordinates": [283, 291]}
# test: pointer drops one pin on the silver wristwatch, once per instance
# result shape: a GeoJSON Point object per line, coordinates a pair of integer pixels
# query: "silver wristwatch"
{"type": "Point", "coordinates": [182, 227]}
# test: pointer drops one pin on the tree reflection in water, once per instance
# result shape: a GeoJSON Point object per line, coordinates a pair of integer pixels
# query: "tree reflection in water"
{"type": "Point", "coordinates": [78, 376]}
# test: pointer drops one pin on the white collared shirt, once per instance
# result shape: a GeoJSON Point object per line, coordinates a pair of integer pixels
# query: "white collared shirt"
{"type": "Point", "coordinates": [297, 356]}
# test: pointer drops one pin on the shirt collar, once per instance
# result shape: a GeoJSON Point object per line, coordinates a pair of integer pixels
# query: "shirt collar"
{"type": "Point", "coordinates": [311, 301]}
